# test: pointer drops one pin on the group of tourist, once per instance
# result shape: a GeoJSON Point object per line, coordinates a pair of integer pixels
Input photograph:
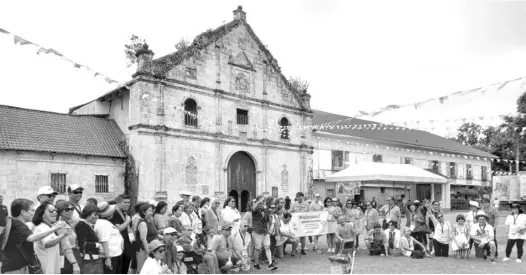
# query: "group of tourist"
{"type": "Point", "coordinates": [65, 236]}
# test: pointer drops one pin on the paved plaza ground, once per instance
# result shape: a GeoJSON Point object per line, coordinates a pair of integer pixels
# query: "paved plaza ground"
{"type": "Point", "coordinates": [319, 263]}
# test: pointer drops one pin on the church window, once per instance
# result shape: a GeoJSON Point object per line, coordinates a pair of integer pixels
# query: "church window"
{"type": "Point", "coordinates": [101, 184]}
{"type": "Point", "coordinates": [285, 128]}
{"type": "Point", "coordinates": [190, 113]}
{"type": "Point", "coordinates": [58, 182]}
{"type": "Point", "coordinates": [242, 117]}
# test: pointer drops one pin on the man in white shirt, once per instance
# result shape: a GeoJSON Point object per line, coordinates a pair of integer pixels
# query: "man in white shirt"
{"type": "Point", "coordinates": [482, 234]}
{"type": "Point", "coordinates": [74, 196]}
{"type": "Point", "coordinates": [110, 238]}
{"type": "Point", "coordinates": [300, 205]}
{"type": "Point", "coordinates": [392, 212]}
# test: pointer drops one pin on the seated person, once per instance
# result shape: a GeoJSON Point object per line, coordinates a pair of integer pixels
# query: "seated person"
{"type": "Point", "coordinates": [287, 236]}
{"type": "Point", "coordinates": [178, 266]}
{"type": "Point", "coordinates": [483, 235]}
{"type": "Point", "coordinates": [345, 235]}
{"type": "Point", "coordinates": [191, 245]}
{"type": "Point", "coordinates": [393, 239]}
{"type": "Point", "coordinates": [242, 244]}
{"type": "Point", "coordinates": [376, 241]}
{"type": "Point", "coordinates": [223, 247]}
{"type": "Point", "coordinates": [407, 245]}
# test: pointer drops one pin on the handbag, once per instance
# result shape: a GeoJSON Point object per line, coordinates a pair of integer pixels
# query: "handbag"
{"type": "Point", "coordinates": [33, 263]}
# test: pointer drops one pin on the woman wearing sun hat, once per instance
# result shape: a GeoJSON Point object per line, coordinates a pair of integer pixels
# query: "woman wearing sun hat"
{"type": "Point", "coordinates": [110, 238]}
{"type": "Point", "coordinates": [152, 265]}
{"type": "Point", "coordinates": [516, 223]}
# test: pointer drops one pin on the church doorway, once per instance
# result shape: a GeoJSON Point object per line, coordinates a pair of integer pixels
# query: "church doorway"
{"type": "Point", "coordinates": [241, 179]}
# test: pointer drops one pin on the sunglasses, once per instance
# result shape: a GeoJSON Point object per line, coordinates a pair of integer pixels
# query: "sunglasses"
{"type": "Point", "coordinates": [77, 192]}
{"type": "Point", "coordinates": [69, 209]}
{"type": "Point", "coordinates": [318, 197]}
{"type": "Point", "coordinates": [440, 217]}
{"type": "Point", "coordinates": [349, 203]}
{"type": "Point", "coordinates": [246, 226]}
{"type": "Point", "coordinates": [52, 211]}
{"type": "Point", "coordinates": [162, 250]}
{"type": "Point", "coordinates": [228, 229]}
{"type": "Point", "coordinates": [172, 234]}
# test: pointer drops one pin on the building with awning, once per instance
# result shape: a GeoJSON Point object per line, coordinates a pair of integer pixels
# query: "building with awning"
{"type": "Point", "coordinates": [341, 142]}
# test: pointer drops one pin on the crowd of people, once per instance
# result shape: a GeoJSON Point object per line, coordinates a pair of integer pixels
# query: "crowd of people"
{"type": "Point", "coordinates": [211, 234]}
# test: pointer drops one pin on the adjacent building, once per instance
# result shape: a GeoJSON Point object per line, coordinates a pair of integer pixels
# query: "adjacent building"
{"type": "Point", "coordinates": [341, 141]}
{"type": "Point", "coordinates": [40, 148]}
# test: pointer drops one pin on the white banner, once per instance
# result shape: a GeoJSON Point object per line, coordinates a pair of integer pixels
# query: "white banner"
{"type": "Point", "coordinates": [313, 223]}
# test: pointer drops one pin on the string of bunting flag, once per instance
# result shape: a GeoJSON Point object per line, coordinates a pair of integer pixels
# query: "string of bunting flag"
{"type": "Point", "coordinates": [24, 42]}
{"type": "Point", "coordinates": [481, 91]}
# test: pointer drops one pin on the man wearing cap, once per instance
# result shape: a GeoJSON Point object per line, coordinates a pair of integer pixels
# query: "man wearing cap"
{"type": "Point", "coordinates": [482, 234]}
{"type": "Point", "coordinates": [46, 193]}
{"type": "Point", "coordinates": [185, 195]}
{"type": "Point", "coordinates": [169, 238]}
{"type": "Point", "coordinates": [316, 205]}
{"type": "Point", "coordinates": [74, 196]}
{"type": "Point", "coordinates": [493, 220]}
{"type": "Point", "coordinates": [223, 247]}
{"type": "Point", "coordinates": [392, 213]}
{"type": "Point", "coordinates": [110, 238]}
{"type": "Point", "coordinates": [300, 205]}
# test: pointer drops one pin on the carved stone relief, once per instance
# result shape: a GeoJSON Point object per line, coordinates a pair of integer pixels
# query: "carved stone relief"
{"type": "Point", "coordinates": [284, 178]}
{"type": "Point", "coordinates": [242, 82]}
{"type": "Point", "coordinates": [191, 174]}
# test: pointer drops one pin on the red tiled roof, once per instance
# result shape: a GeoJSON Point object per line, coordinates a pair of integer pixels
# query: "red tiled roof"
{"type": "Point", "coordinates": [34, 130]}
{"type": "Point", "coordinates": [409, 138]}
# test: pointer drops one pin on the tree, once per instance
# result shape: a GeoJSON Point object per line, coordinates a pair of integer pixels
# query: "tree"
{"type": "Point", "coordinates": [182, 44]}
{"type": "Point", "coordinates": [298, 84]}
{"type": "Point", "coordinates": [469, 134]}
{"type": "Point", "coordinates": [131, 49]}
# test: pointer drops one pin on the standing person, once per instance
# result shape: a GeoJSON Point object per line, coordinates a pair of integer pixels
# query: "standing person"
{"type": "Point", "coordinates": [332, 223]}
{"type": "Point", "coordinates": [145, 233]}
{"type": "Point", "coordinates": [122, 220]}
{"type": "Point", "coordinates": [19, 240]}
{"type": "Point", "coordinates": [496, 203]}
{"type": "Point", "coordinates": [110, 238]}
{"type": "Point", "coordinates": [460, 243]}
{"type": "Point", "coordinates": [69, 247]}
{"type": "Point", "coordinates": [300, 205]}
{"type": "Point", "coordinates": [213, 220]}
{"type": "Point", "coordinates": [287, 203]}
{"type": "Point", "coordinates": [371, 216]}
{"type": "Point", "coordinates": [471, 220]}
{"type": "Point", "coordinates": [230, 213]}
{"type": "Point", "coordinates": [260, 234]}
{"type": "Point", "coordinates": [391, 212]}
{"type": "Point", "coordinates": [273, 225]}
{"type": "Point", "coordinates": [316, 205]}
{"type": "Point", "coordinates": [88, 241]}
{"type": "Point", "coordinates": [433, 211]}
{"type": "Point", "coordinates": [160, 219]}
{"type": "Point", "coordinates": [47, 249]}
{"type": "Point", "coordinates": [74, 196]}
{"type": "Point", "coordinates": [198, 220]}
{"type": "Point", "coordinates": [3, 209]}
{"type": "Point", "coordinates": [358, 222]}
{"type": "Point", "coordinates": [493, 216]}
{"type": "Point", "coordinates": [374, 204]}
{"type": "Point", "coordinates": [482, 234]}
{"type": "Point", "coordinates": [442, 235]}
{"type": "Point", "coordinates": [185, 196]}
{"type": "Point", "coordinates": [516, 223]}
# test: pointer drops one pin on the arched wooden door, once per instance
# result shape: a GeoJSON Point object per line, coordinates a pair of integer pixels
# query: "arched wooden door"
{"type": "Point", "coordinates": [242, 177]}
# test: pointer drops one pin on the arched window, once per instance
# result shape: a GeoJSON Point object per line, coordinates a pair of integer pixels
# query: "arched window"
{"type": "Point", "coordinates": [284, 123]}
{"type": "Point", "coordinates": [377, 158]}
{"type": "Point", "coordinates": [190, 114]}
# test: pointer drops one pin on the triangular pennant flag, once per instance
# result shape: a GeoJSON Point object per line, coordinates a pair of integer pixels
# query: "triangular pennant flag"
{"type": "Point", "coordinates": [4, 31]}
{"type": "Point", "coordinates": [442, 99]}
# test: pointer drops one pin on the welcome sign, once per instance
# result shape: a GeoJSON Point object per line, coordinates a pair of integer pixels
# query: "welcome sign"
{"type": "Point", "coordinates": [312, 223]}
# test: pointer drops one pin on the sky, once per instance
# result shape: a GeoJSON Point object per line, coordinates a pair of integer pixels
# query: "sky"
{"type": "Point", "coordinates": [356, 55]}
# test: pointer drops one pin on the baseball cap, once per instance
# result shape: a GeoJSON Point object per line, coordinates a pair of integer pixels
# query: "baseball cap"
{"type": "Point", "coordinates": [300, 194]}
{"type": "Point", "coordinates": [75, 187]}
{"type": "Point", "coordinates": [46, 190]}
{"type": "Point", "coordinates": [169, 230]}
{"type": "Point", "coordinates": [317, 194]}
{"type": "Point", "coordinates": [186, 193]}
{"type": "Point", "coordinates": [153, 245]}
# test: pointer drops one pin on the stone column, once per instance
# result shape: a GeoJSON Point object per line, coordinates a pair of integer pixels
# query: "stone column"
{"type": "Point", "coordinates": [432, 191]}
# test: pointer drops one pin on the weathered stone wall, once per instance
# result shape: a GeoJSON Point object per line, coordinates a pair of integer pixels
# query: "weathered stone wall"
{"type": "Point", "coordinates": [23, 173]}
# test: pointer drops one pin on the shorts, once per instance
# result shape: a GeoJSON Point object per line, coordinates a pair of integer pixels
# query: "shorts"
{"type": "Point", "coordinates": [260, 240]}
{"type": "Point", "coordinates": [222, 262]}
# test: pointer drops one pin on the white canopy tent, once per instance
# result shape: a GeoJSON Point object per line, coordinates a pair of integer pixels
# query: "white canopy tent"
{"type": "Point", "coordinates": [376, 171]}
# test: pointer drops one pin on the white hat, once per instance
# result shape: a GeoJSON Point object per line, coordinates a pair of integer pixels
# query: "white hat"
{"type": "Point", "coordinates": [317, 194]}
{"type": "Point", "coordinates": [179, 248]}
{"type": "Point", "coordinates": [153, 202]}
{"type": "Point", "coordinates": [74, 187]}
{"type": "Point", "coordinates": [474, 203]}
{"type": "Point", "coordinates": [185, 193]}
{"type": "Point", "coordinates": [169, 230]}
{"type": "Point", "coordinates": [105, 209]}
{"type": "Point", "coordinates": [46, 190]}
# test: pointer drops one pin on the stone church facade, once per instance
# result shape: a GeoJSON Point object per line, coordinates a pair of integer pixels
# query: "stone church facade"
{"type": "Point", "coordinates": [216, 118]}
